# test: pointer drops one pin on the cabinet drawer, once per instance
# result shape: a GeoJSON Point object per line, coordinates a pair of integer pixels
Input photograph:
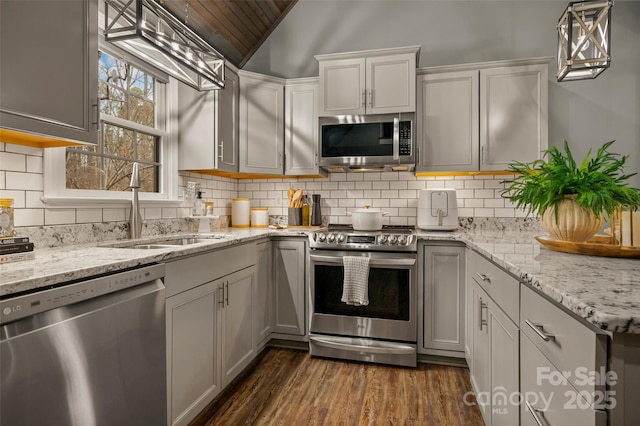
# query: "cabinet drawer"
{"type": "Point", "coordinates": [570, 346]}
{"type": "Point", "coordinates": [189, 272]}
{"type": "Point", "coordinates": [555, 403]}
{"type": "Point", "coordinates": [499, 285]}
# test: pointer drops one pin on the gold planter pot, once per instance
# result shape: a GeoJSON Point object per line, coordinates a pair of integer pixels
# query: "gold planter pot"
{"type": "Point", "coordinates": [574, 222]}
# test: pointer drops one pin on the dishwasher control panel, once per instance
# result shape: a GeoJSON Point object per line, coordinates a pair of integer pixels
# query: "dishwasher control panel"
{"type": "Point", "coordinates": [22, 306]}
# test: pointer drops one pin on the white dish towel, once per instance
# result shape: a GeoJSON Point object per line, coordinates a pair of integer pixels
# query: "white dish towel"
{"type": "Point", "coordinates": [355, 288]}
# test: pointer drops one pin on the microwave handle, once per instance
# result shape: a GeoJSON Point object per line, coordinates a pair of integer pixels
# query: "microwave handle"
{"type": "Point", "coordinates": [396, 138]}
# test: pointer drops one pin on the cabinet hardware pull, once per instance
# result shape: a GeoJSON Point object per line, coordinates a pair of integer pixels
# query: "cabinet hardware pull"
{"type": "Point", "coordinates": [482, 155]}
{"type": "Point", "coordinates": [396, 138]}
{"type": "Point", "coordinates": [221, 299]}
{"type": "Point", "coordinates": [226, 298]}
{"type": "Point", "coordinates": [534, 412]}
{"type": "Point", "coordinates": [221, 154]}
{"type": "Point", "coordinates": [539, 329]}
{"type": "Point", "coordinates": [364, 98]}
{"type": "Point", "coordinates": [482, 321]}
{"type": "Point", "coordinates": [371, 98]}
{"type": "Point", "coordinates": [483, 277]}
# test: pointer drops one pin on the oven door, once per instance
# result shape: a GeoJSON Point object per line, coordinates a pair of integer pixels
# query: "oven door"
{"type": "Point", "coordinates": [391, 312]}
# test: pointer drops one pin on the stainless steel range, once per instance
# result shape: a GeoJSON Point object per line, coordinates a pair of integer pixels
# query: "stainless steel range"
{"type": "Point", "coordinates": [385, 329]}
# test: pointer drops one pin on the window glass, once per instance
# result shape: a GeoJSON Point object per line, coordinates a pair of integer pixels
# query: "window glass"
{"type": "Point", "coordinates": [129, 132]}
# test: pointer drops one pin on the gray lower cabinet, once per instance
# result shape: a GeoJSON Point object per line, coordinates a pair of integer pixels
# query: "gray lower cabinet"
{"type": "Point", "coordinates": [289, 282]}
{"type": "Point", "coordinates": [237, 322]}
{"type": "Point", "coordinates": [209, 320]}
{"type": "Point", "coordinates": [193, 376]}
{"type": "Point", "coordinates": [563, 365]}
{"type": "Point", "coordinates": [441, 325]}
{"type": "Point", "coordinates": [494, 339]}
{"type": "Point", "coordinates": [263, 295]}
{"type": "Point", "coordinates": [63, 36]}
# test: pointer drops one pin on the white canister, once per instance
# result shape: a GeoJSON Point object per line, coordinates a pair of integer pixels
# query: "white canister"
{"type": "Point", "coordinates": [259, 217]}
{"type": "Point", "coordinates": [240, 215]}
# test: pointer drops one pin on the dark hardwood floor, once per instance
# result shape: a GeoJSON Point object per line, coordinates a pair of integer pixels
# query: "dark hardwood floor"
{"type": "Point", "coordinates": [288, 387]}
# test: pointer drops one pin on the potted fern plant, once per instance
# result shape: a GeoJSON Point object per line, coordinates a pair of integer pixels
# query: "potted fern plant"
{"type": "Point", "coordinates": [571, 199]}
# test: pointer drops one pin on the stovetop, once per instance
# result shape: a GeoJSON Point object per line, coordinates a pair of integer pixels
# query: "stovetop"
{"type": "Point", "coordinates": [344, 237]}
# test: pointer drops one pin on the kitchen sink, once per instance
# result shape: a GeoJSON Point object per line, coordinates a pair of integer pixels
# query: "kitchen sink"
{"type": "Point", "coordinates": [164, 244]}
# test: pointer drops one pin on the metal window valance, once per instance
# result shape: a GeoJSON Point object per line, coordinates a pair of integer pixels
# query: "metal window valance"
{"type": "Point", "coordinates": [584, 40]}
{"type": "Point", "coordinates": [145, 29]}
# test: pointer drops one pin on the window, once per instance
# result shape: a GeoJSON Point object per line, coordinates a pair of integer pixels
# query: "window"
{"type": "Point", "coordinates": [128, 132]}
{"type": "Point", "coordinates": [134, 105]}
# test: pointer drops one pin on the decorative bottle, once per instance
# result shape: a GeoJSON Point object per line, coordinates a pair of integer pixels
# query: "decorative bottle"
{"type": "Point", "coordinates": [316, 211]}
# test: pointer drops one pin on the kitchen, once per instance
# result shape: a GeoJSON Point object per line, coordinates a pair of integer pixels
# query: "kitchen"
{"type": "Point", "coordinates": [586, 113]}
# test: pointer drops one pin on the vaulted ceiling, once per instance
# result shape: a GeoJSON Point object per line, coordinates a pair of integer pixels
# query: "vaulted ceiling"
{"type": "Point", "coordinates": [236, 28]}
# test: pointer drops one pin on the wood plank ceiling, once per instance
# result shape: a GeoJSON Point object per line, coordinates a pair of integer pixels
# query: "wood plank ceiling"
{"type": "Point", "coordinates": [236, 28]}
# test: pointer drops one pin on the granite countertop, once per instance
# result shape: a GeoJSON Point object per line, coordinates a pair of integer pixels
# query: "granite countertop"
{"type": "Point", "coordinates": [604, 291]}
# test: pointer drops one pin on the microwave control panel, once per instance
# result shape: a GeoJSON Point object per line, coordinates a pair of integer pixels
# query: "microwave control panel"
{"type": "Point", "coordinates": [405, 138]}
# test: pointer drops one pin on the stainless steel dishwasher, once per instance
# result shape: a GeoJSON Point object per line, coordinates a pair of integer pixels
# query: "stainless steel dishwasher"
{"type": "Point", "coordinates": [86, 353]}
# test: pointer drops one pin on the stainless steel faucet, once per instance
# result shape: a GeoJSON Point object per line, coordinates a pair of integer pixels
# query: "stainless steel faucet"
{"type": "Point", "coordinates": [135, 218]}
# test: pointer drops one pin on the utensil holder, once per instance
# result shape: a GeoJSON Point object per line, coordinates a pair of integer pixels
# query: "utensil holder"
{"type": "Point", "coordinates": [295, 216]}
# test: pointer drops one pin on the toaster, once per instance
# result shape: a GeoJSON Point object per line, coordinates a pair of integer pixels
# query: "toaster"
{"type": "Point", "coordinates": [438, 210]}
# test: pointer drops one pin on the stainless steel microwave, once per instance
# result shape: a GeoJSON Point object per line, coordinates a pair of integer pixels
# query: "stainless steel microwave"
{"type": "Point", "coordinates": [367, 142]}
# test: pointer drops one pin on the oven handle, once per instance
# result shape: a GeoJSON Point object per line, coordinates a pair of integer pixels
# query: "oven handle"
{"type": "Point", "coordinates": [394, 349]}
{"type": "Point", "coordinates": [372, 261]}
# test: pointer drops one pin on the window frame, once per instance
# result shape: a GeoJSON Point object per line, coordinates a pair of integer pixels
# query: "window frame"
{"type": "Point", "coordinates": [56, 194]}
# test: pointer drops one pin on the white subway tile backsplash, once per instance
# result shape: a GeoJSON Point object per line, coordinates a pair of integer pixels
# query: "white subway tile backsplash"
{"type": "Point", "coordinates": [401, 184]}
{"type": "Point", "coordinates": [13, 162]}
{"type": "Point", "coordinates": [25, 181]}
{"type": "Point", "coordinates": [33, 200]}
{"type": "Point", "coordinates": [483, 193]}
{"type": "Point", "coordinates": [475, 183]}
{"type": "Point", "coordinates": [114, 215]}
{"type": "Point", "coordinates": [28, 217]}
{"type": "Point", "coordinates": [59, 216]}
{"type": "Point", "coordinates": [21, 178]}
{"type": "Point", "coordinates": [89, 215]}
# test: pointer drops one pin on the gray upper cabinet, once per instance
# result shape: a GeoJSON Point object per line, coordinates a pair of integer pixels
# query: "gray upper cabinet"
{"type": "Point", "coordinates": [301, 131]}
{"type": "Point", "coordinates": [261, 124]}
{"type": "Point", "coordinates": [448, 120]}
{"type": "Point", "coordinates": [49, 68]}
{"type": "Point", "coordinates": [482, 117]}
{"type": "Point", "coordinates": [368, 82]}
{"type": "Point", "coordinates": [208, 127]}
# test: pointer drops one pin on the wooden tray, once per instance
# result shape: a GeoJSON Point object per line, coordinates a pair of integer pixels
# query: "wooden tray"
{"type": "Point", "coordinates": [599, 245]}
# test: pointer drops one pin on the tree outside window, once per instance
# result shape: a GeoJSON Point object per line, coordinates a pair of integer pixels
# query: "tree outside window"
{"type": "Point", "coordinates": [128, 132]}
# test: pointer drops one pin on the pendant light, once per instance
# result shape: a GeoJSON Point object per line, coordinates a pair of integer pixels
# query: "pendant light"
{"type": "Point", "coordinates": [584, 40]}
{"type": "Point", "coordinates": [146, 29]}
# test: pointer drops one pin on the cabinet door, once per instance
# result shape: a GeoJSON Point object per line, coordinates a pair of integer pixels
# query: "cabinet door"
{"type": "Point", "coordinates": [443, 299]}
{"type": "Point", "coordinates": [301, 129]}
{"type": "Point", "coordinates": [237, 324]}
{"type": "Point", "coordinates": [550, 401]}
{"type": "Point", "coordinates": [480, 374]}
{"type": "Point", "coordinates": [448, 121]}
{"type": "Point", "coordinates": [49, 68]}
{"type": "Point", "coordinates": [263, 295]}
{"type": "Point", "coordinates": [193, 375]}
{"type": "Point", "coordinates": [391, 84]}
{"type": "Point", "coordinates": [227, 149]}
{"type": "Point", "coordinates": [289, 287]}
{"type": "Point", "coordinates": [342, 87]}
{"type": "Point", "coordinates": [261, 126]}
{"type": "Point", "coordinates": [196, 127]}
{"type": "Point", "coordinates": [504, 368]}
{"type": "Point", "coordinates": [513, 115]}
